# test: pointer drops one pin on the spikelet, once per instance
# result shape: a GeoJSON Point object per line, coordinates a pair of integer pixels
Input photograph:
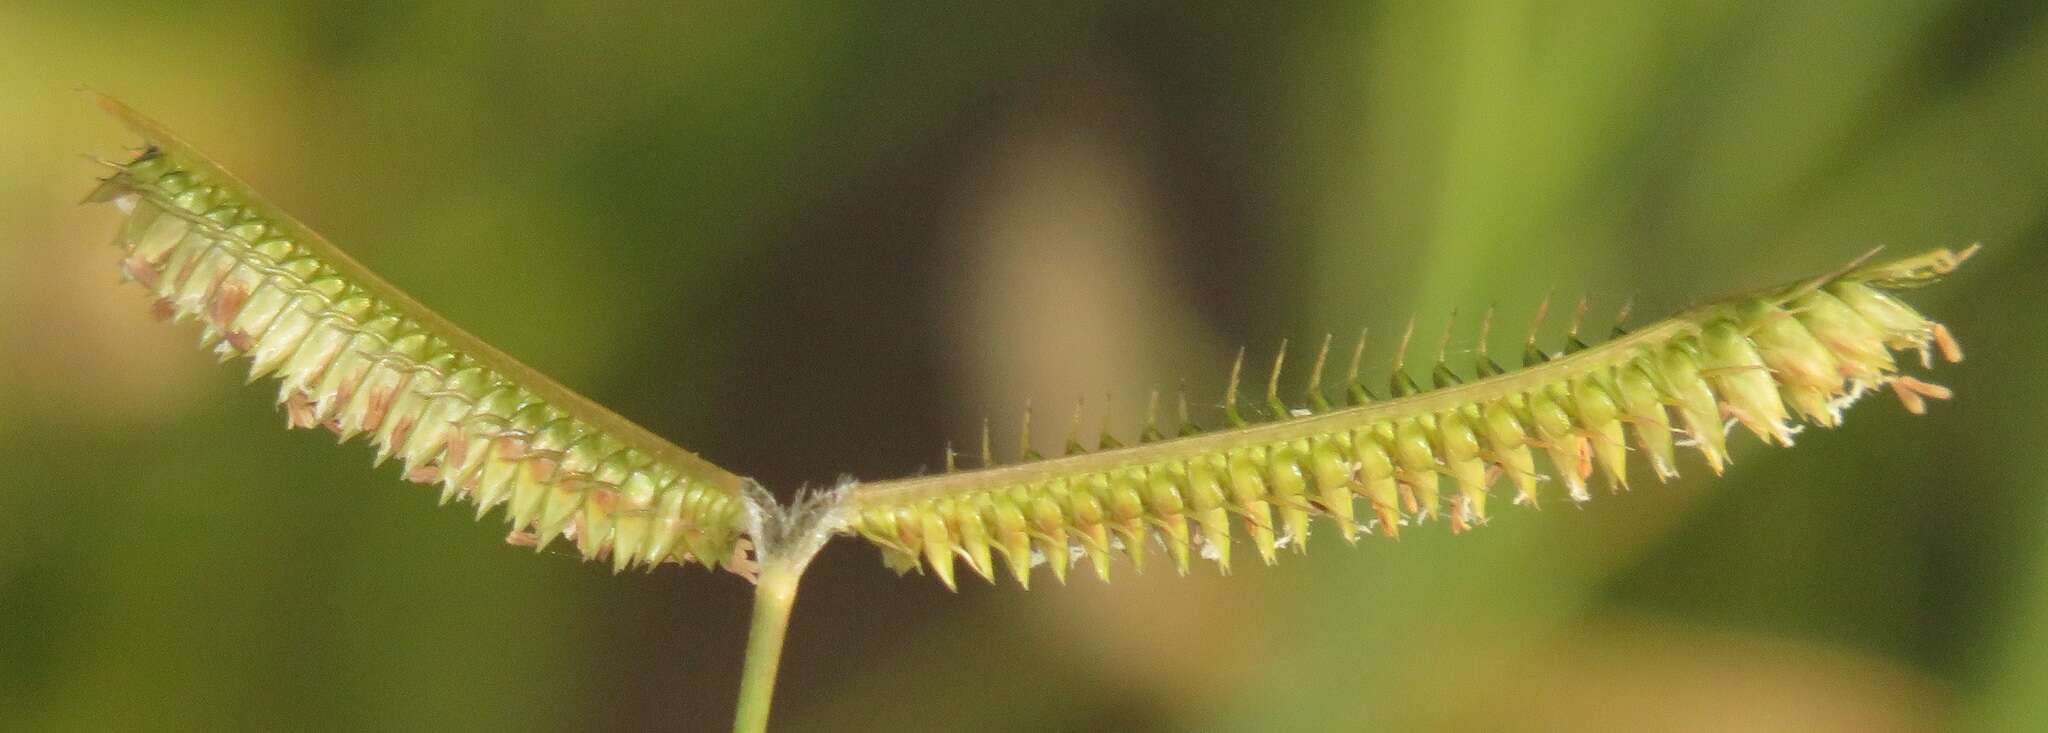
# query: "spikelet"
{"type": "Point", "coordinates": [352, 354]}
{"type": "Point", "coordinates": [1803, 351]}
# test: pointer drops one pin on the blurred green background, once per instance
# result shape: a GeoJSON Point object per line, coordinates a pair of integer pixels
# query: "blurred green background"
{"type": "Point", "coordinates": [808, 241]}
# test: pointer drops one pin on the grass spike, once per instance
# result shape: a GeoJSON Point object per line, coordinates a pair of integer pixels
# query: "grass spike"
{"type": "Point", "coordinates": [1732, 357]}
{"type": "Point", "coordinates": [354, 354]}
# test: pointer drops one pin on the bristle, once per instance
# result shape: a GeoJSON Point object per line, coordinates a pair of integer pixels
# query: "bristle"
{"type": "Point", "coordinates": [1025, 452]}
{"type": "Point", "coordinates": [1274, 407]}
{"type": "Point", "coordinates": [1532, 354]}
{"type": "Point", "coordinates": [1400, 383]}
{"type": "Point", "coordinates": [1354, 390]}
{"type": "Point", "coordinates": [1441, 375]}
{"type": "Point", "coordinates": [1313, 393]}
{"type": "Point", "coordinates": [1151, 433]}
{"type": "Point", "coordinates": [1621, 317]}
{"type": "Point", "coordinates": [1230, 413]}
{"type": "Point", "coordinates": [1073, 446]}
{"type": "Point", "coordinates": [1572, 344]}
{"type": "Point", "coordinates": [1103, 439]}
{"type": "Point", "coordinates": [1401, 350]}
{"type": "Point", "coordinates": [988, 449]}
{"type": "Point", "coordinates": [1443, 343]}
{"type": "Point", "coordinates": [1484, 364]}
{"type": "Point", "coordinates": [1187, 425]}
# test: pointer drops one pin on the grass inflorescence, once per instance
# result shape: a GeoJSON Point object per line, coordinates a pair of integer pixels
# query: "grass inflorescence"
{"type": "Point", "coordinates": [352, 354]}
{"type": "Point", "coordinates": [355, 355]}
{"type": "Point", "coordinates": [1802, 352]}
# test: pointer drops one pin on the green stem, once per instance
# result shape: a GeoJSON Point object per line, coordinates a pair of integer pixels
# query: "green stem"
{"type": "Point", "coordinates": [786, 537]}
{"type": "Point", "coordinates": [773, 595]}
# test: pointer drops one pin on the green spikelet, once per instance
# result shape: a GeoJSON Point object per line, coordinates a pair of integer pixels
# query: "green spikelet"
{"type": "Point", "coordinates": [1804, 350]}
{"type": "Point", "coordinates": [354, 355]}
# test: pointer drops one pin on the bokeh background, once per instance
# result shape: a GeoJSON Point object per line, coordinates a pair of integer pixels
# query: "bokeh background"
{"type": "Point", "coordinates": [808, 241]}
